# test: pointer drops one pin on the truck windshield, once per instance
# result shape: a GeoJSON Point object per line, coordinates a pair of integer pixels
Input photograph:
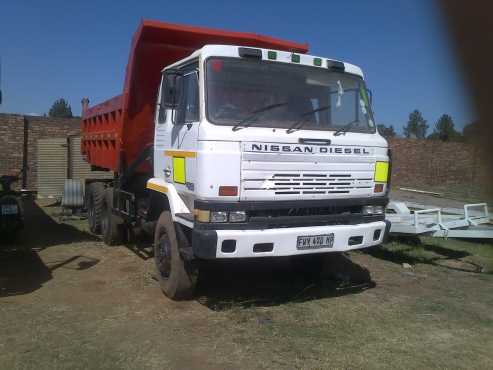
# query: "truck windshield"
{"type": "Point", "coordinates": [311, 98]}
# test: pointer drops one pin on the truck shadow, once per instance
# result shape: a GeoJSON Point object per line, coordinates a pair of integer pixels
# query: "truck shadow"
{"type": "Point", "coordinates": [22, 270]}
{"type": "Point", "coordinates": [413, 251]}
{"type": "Point", "coordinates": [269, 282]}
{"type": "Point", "coordinates": [42, 231]}
{"type": "Point", "coordinates": [262, 282]}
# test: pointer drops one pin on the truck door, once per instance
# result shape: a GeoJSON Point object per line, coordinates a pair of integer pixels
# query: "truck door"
{"type": "Point", "coordinates": [180, 131]}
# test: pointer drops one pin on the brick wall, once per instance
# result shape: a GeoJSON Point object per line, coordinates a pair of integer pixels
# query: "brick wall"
{"type": "Point", "coordinates": [437, 165]}
{"type": "Point", "coordinates": [12, 140]}
{"type": "Point", "coordinates": [11, 143]}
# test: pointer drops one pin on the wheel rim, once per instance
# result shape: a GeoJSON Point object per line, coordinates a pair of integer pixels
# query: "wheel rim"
{"type": "Point", "coordinates": [163, 257]}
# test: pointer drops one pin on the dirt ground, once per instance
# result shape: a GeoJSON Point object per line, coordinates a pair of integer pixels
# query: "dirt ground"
{"type": "Point", "coordinates": [67, 301]}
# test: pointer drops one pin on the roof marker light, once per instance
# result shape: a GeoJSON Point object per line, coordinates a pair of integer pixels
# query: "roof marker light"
{"type": "Point", "coordinates": [295, 58]}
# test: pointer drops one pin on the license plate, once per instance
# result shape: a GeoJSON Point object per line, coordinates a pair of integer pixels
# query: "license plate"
{"type": "Point", "coordinates": [315, 241]}
{"type": "Point", "coordinates": [9, 209]}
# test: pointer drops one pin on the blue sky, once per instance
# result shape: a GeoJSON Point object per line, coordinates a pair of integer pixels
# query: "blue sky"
{"type": "Point", "coordinates": [72, 49]}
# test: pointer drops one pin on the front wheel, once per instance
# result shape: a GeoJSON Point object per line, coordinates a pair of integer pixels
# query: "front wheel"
{"type": "Point", "coordinates": [177, 276]}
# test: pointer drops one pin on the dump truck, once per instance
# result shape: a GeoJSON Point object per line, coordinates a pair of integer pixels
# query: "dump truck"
{"type": "Point", "coordinates": [228, 145]}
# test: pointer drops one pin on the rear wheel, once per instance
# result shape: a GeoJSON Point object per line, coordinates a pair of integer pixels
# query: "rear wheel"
{"type": "Point", "coordinates": [112, 227]}
{"type": "Point", "coordinates": [177, 276]}
{"type": "Point", "coordinates": [94, 205]}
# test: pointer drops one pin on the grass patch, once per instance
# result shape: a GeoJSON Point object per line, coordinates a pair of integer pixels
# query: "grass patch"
{"type": "Point", "coordinates": [471, 256]}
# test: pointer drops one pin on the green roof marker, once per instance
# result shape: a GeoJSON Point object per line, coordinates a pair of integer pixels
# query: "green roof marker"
{"type": "Point", "coordinates": [317, 62]}
{"type": "Point", "coordinates": [295, 58]}
{"type": "Point", "coordinates": [272, 55]}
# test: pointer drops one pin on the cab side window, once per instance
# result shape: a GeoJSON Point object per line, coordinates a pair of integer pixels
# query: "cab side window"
{"type": "Point", "coordinates": [169, 95]}
{"type": "Point", "coordinates": [188, 108]}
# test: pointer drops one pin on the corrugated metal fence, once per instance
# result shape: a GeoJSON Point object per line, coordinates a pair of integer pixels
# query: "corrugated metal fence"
{"type": "Point", "coordinates": [60, 159]}
{"type": "Point", "coordinates": [52, 167]}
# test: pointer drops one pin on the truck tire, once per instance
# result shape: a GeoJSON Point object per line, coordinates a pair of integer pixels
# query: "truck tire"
{"type": "Point", "coordinates": [94, 205]}
{"type": "Point", "coordinates": [111, 225]}
{"type": "Point", "coordinates": [176, 275]}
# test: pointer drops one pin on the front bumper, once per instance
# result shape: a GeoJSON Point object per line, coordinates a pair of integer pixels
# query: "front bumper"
{"type": "Point", "coordinates": [210, 244]}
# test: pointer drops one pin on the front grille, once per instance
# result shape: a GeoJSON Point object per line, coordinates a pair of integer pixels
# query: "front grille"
{"type": "Point", "coordinates": [305, 211]}
{"type": "Point", "coordinates": [271, 176]}
{"type": "Point", "coordinates": [307, 183]}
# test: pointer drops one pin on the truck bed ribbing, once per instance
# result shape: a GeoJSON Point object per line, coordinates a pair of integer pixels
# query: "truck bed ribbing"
{"type": "Point", "coordinates": [122, 126]}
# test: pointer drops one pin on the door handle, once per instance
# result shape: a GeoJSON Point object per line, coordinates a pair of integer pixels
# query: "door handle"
{"type": "Point", "coordinates": [167, 172]}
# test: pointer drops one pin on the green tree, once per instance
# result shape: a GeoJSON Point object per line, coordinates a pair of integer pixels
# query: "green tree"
{"type": "Point", "coordinates": [444, 130]}
{"type": "Point", "coordinates": [60, 108]}
{"type": "Point", "coordinates": [416, 126]}
{"type": "Point", "coordinates": [386, 131]}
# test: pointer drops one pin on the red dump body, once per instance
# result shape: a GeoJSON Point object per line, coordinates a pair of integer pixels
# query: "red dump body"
{"type": "Point", "coordinates": [121, 127]}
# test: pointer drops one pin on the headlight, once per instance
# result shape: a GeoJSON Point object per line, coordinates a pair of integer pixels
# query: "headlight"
{"type": "Point", "coordinates": [378, 210]}
{"type": "Point", "coordinates": [219, 216]}
{"type": "Point", "coordinates": [372, 210]}
{"type": "Point", "coordinates": [237, 216]}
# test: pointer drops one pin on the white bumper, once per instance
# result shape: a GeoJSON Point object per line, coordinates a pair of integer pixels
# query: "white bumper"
{"type": "Point", "coordinates": [285, 239]}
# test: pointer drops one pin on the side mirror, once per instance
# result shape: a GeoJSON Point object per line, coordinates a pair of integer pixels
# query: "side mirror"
{"type": "Point", "coordinates": [172, 88]}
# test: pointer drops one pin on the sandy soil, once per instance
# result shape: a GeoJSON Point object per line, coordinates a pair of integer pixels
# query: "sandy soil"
{"type": "Point", "coordinates": [67, 301]}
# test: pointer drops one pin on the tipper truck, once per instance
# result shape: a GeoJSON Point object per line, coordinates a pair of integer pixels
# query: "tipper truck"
{"type": "Point", "coordinates": [228, 145]}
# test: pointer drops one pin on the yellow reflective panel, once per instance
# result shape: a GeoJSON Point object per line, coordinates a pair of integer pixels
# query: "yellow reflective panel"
{"type": "Point", "coordinates": [381, 171]}
{"type": "Point", "coordinates": [179, 171]}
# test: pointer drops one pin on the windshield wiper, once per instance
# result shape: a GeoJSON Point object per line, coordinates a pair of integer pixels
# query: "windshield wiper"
{"type": "Point", "coordinates": [345, 128]}
{"type": "Point", "coordinates": [254, 113]}
{"type": "Point", "coordinates": [301, 122]}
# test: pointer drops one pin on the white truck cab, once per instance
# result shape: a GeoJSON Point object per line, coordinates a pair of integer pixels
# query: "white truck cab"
{"type": "Point", "coordinates": [274, 153]}
{"type": "Point", "coordinates": [269, 153]}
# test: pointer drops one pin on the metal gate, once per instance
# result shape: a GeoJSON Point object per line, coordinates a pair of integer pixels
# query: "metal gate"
{"type": "Point", "coordinates": [51, 167]}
